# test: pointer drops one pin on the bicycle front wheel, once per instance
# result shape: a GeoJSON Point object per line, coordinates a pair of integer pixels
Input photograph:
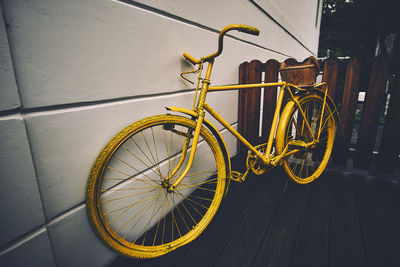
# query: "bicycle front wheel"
{"type": "Point", "coordinates": [307, 164]}
{"type": "Point", "coordinates": [128, 200]}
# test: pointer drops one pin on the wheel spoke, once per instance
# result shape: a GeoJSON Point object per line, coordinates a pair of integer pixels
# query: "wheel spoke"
{"type": "Point", "coordinates": [149, 167]}
{"type": "Point", "coordinates": [196, 185]}
{"type": "Point", "coordinates": [124, 197]}
{"type": "Point", "coordinates": [130, 176]}
{"type": "Point", "coordinates": [159, 220]}
{"type": "Point", "coordinates": [151, 154]}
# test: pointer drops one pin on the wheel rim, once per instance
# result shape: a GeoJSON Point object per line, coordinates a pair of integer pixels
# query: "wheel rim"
{"type": "Point", "coordinates": [136, 210]}
{"type": "Point", "coordinates": [308, 164]}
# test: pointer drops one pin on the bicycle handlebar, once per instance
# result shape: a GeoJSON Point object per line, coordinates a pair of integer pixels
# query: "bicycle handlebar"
{"type": "Point", "coordinates": [249, 30]}
{"type": "Point", "coordinates": [238, 27]}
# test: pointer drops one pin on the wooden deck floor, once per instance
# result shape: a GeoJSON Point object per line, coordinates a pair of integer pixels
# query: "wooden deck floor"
{"type": "Point", "coordinates": [338, 220]}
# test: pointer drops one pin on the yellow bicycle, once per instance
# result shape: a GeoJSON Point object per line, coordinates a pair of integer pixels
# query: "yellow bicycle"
{"type": "Point", "coordinates": [158, 183]}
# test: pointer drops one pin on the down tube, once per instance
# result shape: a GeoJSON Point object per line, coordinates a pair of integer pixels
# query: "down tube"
{"type": "Point", "coordinates": [233, 131]}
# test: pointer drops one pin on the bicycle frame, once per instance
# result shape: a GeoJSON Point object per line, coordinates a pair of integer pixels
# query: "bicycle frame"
{"type": "Point", "coordinates": [202, 106]}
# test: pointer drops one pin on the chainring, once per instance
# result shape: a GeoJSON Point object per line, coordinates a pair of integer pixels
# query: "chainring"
{"type": "Point", "coordinates": [254, 163]}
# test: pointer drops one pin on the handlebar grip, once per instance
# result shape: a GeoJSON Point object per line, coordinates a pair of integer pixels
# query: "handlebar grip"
{"type": "Point", "coordinates": [191, 59]}
{"type": "Point", "coordinates": [249, 29]}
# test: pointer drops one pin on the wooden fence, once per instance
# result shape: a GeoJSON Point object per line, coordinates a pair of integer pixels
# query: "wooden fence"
{"type": "Point", "coordinates": [377, 77]}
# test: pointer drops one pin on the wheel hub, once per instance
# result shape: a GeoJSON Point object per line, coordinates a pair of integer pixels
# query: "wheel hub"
{"type": "Point", "coordinates": [167, 186]}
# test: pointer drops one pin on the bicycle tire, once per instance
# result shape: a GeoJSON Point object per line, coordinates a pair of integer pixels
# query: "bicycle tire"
{"type": "Point", "coordinates": [137, 159]}
{"type": "Point", "coordinates": [307, 164]}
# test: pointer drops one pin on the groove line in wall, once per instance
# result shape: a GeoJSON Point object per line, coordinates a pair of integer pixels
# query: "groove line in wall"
{"type": "Point", "coordinates": [26, 237]}
{"type": "Point", "coordinates": [67, 106]}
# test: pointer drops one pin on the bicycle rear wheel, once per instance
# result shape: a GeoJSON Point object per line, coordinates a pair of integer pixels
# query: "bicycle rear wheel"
{"type": "Point", "coordinates": [307, 164]}
{"type": "Point", "coordinates": [130, 207]}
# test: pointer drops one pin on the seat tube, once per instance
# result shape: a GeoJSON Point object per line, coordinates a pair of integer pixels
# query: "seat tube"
{"type": "Point", "coordinates": [267, 152]}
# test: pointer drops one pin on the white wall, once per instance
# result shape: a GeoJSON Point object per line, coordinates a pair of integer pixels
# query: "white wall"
{"type": "Point", "coordinates": [73, 73]}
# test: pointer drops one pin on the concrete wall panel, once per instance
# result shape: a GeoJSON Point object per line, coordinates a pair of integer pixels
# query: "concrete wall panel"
{"type": "Point", "coordinates": [75, 243]}
{"type": "Point", "coordinates": [297, 17]}
{"type": "Point", "coordinates": [32, 251]}
{"type": "Point", "coordinates": [95, 50]}
{"type": "Point", "coordinates": [20, 204]}
{"type": "Point", "coordinates": [9, 98]}
{"type": "Point", "coordinates": [300, 18]}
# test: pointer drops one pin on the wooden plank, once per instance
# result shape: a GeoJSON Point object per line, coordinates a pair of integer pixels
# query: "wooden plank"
{"type": "Point", "coordinates": [346, 245]}
{"type": "Point", "coordinates": [253, 105]}
{"type": "Point", "coordinates": [278, 244]}
{"type": "Point", "coordinates": [242, 110]}
{"type": "Point", "coordinates": [242, 247]}
{"type": "Point", "coordinates": [269, 102]}
{"type": "Point", "coordinates": [330, 73]}
{"type": "Point", "coordinates": [389, 193]}
{"type": "Point", "coordinates": [381, 248]}
{"type": "Point", "coordinates": [249, 103]}
{"type": "Point", "coordinates": [347, 113]}
{"type": "Point", "coordinates": [371, 112]}
{"type": "Point", "coordinates": [390, 146]}
{"type": "Point", "coordinates": [312, 244]}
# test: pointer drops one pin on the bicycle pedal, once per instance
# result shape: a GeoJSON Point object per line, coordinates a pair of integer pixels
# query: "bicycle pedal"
{"type": "Point", "coordinates": [238, 177]}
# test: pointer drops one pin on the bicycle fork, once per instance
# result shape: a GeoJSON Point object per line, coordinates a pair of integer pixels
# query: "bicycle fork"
{"type": "Point", "coordinates": [196, 135]}
{"type": "Point", "coordinates": [201, 113]}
